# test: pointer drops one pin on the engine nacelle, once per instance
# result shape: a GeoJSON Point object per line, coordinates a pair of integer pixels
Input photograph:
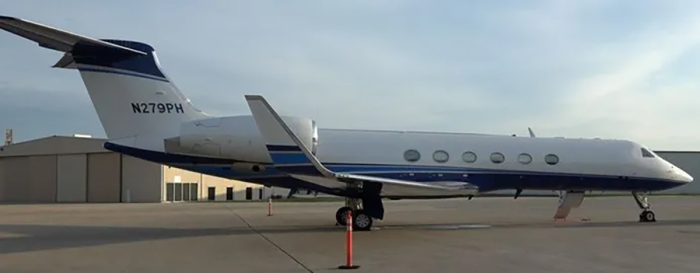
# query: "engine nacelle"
{"type": "Point", "coordinates": [235, 137]}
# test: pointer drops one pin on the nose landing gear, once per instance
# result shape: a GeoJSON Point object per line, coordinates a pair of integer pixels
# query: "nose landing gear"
{"type": "Point", "coordinates": [647, 215]}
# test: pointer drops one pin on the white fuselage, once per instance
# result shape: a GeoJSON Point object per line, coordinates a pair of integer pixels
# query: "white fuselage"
{"type": "Point", "coordinates": [582, 164]}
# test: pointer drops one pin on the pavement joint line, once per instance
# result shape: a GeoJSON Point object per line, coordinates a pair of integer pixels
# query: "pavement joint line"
{"type": "Point", "coordinates": [269, 240]}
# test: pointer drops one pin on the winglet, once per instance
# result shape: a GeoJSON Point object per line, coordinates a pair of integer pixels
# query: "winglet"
{"type": "Point", "coordinates": [532, 134]}
{"type": "Point", "coordinates": [282, 143]}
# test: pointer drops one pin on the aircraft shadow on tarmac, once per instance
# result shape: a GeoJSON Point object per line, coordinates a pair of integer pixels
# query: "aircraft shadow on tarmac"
{"type": "Point", "coordinates": [46, 237]}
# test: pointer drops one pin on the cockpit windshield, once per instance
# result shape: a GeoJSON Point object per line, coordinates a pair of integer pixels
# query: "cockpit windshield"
{"type": "Point", "coordinates": [647, 153]}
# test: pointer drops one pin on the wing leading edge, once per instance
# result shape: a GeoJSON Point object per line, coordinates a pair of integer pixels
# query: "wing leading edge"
{"type": "Point", "coordinates": [290, 155]}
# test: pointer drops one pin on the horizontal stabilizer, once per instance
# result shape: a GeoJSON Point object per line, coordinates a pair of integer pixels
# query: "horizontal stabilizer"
{"type": "Point", "coordinates": [283, 142]}
{"type": "Point", "coordinates": [65, 62]}
{"type": "Point", "coordinates": [53, 38]}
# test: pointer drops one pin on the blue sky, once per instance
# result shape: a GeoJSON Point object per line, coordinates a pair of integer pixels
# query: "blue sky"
{"type": "Point", "coordinates": [609, 69]}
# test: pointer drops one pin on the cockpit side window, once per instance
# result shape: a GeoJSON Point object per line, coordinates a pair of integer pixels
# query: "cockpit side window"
{"type": "Point", "coordinates": [647, 153]}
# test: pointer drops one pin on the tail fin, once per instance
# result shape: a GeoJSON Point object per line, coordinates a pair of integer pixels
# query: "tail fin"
{"type": "Point", "coordinates": [124, 80]}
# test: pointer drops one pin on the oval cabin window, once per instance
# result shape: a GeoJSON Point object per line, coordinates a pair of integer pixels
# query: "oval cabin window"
{"type": "Point", "coordinates": [497, 158]}
{"type": "Point", "coordinates": [411, 155]}
{"type": "Point", "coordinates": [440, 156]}
{"type": "Point", "coordinates": [524, 158]}
{"type": "Point", "coordinates": [551, 159]}
{"type": "Point", "coordinates": [469, 157]}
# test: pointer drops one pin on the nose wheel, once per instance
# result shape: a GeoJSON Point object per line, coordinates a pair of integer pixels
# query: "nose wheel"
{"type": "Point", "coordinates": [647, 215]}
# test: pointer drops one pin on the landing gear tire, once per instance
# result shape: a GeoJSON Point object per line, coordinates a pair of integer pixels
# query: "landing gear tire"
{"type": "Point", "coordinates": [361, 221]}
{"type": "Point", "coordinates": [341, 215]}
{"type": "Point", "coordinates": [647, 216]}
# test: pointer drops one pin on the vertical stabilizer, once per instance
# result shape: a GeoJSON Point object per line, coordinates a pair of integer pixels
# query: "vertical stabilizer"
{"type": "Point", "coordinates": [130, 93]}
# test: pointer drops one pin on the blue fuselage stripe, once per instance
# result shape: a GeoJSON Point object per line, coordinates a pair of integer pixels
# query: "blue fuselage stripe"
{"type": "Point", "coordinates": [122, 73]}
{"type": "Point", "coordinates": [283, 148]}
{"type": "Point", "coordinates": [289, 158]}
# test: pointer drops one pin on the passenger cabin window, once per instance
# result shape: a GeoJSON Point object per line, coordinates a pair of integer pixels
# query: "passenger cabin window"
{"type": "Point", "coordinates": [469, 157]}
{"type": "Point", "coordinates": [411, 155]}
{"type": "Point", "coordinates": [440, 156]}
{"type": "Point", "coordinates": [551, 159]}
{"type": "Point", "coordinates": [497, 158]}
{"type": "Point", "coordinates": [647, 153]}
{"type": "Point", "coordinates": [524, 158]}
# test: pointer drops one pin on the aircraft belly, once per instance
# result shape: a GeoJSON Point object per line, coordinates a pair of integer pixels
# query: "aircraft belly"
{"type": "Point", "coordinates": [321, 181]}
{"type": "Point", "coordinates": [460, 188]}
{"type": "Point", "coordinates": [397, 190]}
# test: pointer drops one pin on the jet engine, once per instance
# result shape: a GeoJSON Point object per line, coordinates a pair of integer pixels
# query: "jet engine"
{"type": "Point", "coordinates": [235, 137]}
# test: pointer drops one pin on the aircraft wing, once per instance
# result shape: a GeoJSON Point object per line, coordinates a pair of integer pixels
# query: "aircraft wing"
{"type": "Point", "coordinates": [283, 145]}
{"type": "Point", "coordinates": [53, 38]}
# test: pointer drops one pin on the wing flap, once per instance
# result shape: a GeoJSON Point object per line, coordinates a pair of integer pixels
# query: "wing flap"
{"type": "Point", "coordinates": [391, 187]}
{"type": "Point", "coordinates": [405, 187]}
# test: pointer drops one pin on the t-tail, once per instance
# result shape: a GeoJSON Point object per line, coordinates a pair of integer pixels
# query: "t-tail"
{"type": "Point", "coordinates": [129, 90]}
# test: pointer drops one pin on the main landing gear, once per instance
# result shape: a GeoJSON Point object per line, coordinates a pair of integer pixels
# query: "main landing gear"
{"type": "Point", "coordinates": [361, 221]}
{"type": "Point", "coordinates": [647, 215]}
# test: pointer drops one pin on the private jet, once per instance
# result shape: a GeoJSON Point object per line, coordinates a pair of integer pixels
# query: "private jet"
{"type": "Point", "coordinates": [145, 115]}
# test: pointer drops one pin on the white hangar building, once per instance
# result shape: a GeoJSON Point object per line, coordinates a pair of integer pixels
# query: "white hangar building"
{"type": "Point", "coordinates": [79, 169]}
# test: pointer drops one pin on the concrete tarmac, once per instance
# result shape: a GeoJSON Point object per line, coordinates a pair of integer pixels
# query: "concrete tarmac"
{"type": "Point", "coordinates": [458, 235]}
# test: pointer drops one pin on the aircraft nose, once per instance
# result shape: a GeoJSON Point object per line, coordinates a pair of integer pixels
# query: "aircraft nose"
{"type": "Point", "coordinates": [682, 176]}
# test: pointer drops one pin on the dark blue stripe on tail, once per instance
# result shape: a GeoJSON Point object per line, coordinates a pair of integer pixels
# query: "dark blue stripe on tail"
{"type": "Point", "coordinates": [96, 55]}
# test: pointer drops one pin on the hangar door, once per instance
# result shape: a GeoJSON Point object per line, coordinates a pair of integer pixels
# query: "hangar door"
{"type": "Point", "coordinates": [28, 179]}
{"type": "Point", "coordinates": [104, 178]}
{"type": "Point", "coordinates": [72, 178]}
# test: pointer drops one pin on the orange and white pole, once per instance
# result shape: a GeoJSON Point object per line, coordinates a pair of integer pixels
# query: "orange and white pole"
{"type": "Point", "coordinates": [348, 244]}
{"type": "Point", "coordinates": [269, 206]}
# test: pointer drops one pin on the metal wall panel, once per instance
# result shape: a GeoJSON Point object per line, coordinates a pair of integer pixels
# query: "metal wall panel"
{"type": "Point", "coordinates": [104, 178]}
{"type": "Point", "coordinates": [72, 178]}
{"type": "Point", "coordinates": [43, 179]}
{"type": "Point", "coordinates": [2, 179]}
{"type": "Point", "coordinates": [29, 179]}
{"type": "Point", "coordinates": [13, 178]}
{"type": "Point", "coordinates": [141, 180]}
